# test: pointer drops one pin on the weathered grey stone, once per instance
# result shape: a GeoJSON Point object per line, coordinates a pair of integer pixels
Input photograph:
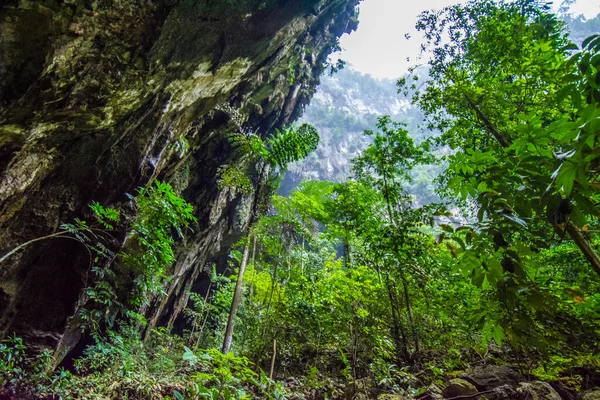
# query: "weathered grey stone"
{"type": "Point", "coordinates": [590, 395]}
{"type": "Point", "coordinates": [458, 387]}
{"type": "Point", "coordinates": [434, 390]}
{"type": "Point", "coordinates": [490, 376]}
{"type": "Point", "coordinates": [537, 391]}
{"type": "Point", "coordinates": [503, 392]}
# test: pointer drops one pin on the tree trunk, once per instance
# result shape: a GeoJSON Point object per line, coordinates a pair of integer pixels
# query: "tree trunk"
{"type": "Point", "coordinates": [404, 282]}
{"type": "Point", "coordinates": [346, 244]}
{"type": "Point", "coordinates": [398, 330]}
{"type": "Point", "coordinates": [253, 263]}
{"type": "Point", "coordinates": [206, 315]}
{"type": "Point", "coordinates": [584, 245]}
{"type": "Point", "coordinates": [273, 359]}
{"type": "Point", "coordinates": [235, 303]}
{"type": "Point", "coordinates": [273, 281]}
{"type": "Point", "coordinates": [409, 310]}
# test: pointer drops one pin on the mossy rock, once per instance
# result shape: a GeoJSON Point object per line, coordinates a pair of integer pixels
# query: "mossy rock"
{"type": "Point", "coordinates": [458, 387]}
{"type": "Point", "coordinates": [537, 391]}
{"type": "Point", "coordinates": [388, 396]}
{"type": "Point", "coordinates": [591, 395]}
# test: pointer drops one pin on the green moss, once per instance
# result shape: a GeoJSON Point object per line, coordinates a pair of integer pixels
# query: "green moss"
{"type": "Point", "coordinates": [11, 135]}
{"type": "Point", "coordinates": [204, 84]}
{"type": "Point", "coordinates": [234, 177]}
{"type": "Point", "coordinates": [181, 177]}
{"type": "Point", "coordinates": [122, 103]}
{"type": "Point", "coordinates": [262, 94]}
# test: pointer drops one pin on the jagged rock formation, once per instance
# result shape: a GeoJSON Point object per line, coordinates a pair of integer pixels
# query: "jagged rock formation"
{"type": "Point", "coordinates": [96, 98]}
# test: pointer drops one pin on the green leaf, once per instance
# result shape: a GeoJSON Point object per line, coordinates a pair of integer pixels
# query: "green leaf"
{"type": "Point", "coordinates": [447, 228]}
{"type": "Point", "coordinates": [189, 356]}
{"type": "Point", "coordinates": [512, 217]}
{"type": "Point", "coordinates": [590, 42]}
{"type": "Point", "coordinates": [571, 78]}
{"type": "Point", "coordinates": [292, 144]}
{"type": "Point", "coordinates": [498, 335]}
{"type": "Point", "coordinates": [494, 274]}
{"type": "Point", "coordinates": [566, 176]}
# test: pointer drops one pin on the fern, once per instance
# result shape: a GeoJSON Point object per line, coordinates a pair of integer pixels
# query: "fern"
{"type": "Point", "coordinates": [285, 146]}
{"type": "Point", "coordinates": [277, 151]}
{"type": "Point", "coordinates": [291, 144]}
{"type": "Point", "coordinates": [249, 144]}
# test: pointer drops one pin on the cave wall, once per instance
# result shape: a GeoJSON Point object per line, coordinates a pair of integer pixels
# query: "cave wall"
{"type": "Point", "coordinates": [95, 97]}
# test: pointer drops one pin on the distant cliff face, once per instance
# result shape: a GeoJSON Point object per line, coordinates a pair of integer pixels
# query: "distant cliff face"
{"type": "Point", "coordinates": [95, 97]}
{"type": "Point", "coordinates": [345, 105]}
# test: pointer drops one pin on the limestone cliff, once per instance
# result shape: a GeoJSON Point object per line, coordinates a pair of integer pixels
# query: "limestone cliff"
{"type": "Point", "coordinates": [96, 98]}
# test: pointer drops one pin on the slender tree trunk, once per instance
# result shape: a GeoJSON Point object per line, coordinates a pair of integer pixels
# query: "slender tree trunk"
{"type": "Point", "coordinates": [264, 331]}
{"type": "Point", "coordinates": [410, 313]}
{"type": "Point", "coordinates": [401, 344]}
{"type": "Point", "coordinates": [273, 359]}
{"type": "Point", "coordinates": [235, 303]}
{"type": "Point", "coordinates": [273, 278]}
{"type": "Point", "coordinates": [302, 255]}
{"type": "Point", "coordinates": [354, 332]}
{"type": "Point", "coordinates": [253, 267]}
{"type": "Point", "coordinates": [354, 388]}
{"type": "Point", "coordinates": [205, 316]}
{"type": "Point", "coordinates": [404, 282]}
{"type": "Point", "coordinates": [347, 258]}
{"type": "Point", "coordinates": [487, 124]}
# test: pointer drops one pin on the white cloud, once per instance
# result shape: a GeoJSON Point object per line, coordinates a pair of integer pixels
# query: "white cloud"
{"type": "Point", "coordinates": [379, 47]}
{"type": "Point", "coordinates": [589, 8]}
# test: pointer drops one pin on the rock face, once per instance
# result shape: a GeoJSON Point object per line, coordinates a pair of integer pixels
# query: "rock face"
{"type": "Point", "coordinates": [458, 387]}
{"type": "Point", "coordinates": [537, 391]}
{"type": "Point", "coordinates": [591, 395]}
{"type": "Point", "coordinates": [100, 97]}
{"type": "Point", "coordinates": [491, 376]}
{"type": "Point", "coordinates": [502, 382]}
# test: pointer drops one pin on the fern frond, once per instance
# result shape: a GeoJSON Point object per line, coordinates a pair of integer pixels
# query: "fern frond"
{"type": "Point", "coordinates": [291, 144]}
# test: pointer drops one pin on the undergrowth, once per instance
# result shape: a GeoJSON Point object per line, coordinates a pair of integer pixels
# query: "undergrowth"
{"type": "Point", "coordinates": [122, 366]}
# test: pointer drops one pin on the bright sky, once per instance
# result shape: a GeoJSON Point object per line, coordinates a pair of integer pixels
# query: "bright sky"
{"type": "Point", "coordinates": [379, 48]}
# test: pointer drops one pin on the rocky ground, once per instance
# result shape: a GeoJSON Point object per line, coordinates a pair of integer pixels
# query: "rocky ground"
{"type": "Point", "coordinates": [492, 382]}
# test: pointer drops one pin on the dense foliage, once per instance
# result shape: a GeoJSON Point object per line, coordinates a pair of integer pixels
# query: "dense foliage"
{"type": "Point", "coordinates": [350, 288]}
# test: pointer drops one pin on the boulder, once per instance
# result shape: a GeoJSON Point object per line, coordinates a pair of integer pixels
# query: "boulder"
{"type": "Point", "coordinates": [537, 391]}
{"type": "Point", "coordinates": [433, 392]}
{"type": "Point", "coordinates": [567, 387]}
{"type": "Point", "coordinates": [503, 392]}
{"type": "Point", "coordinates": [459, 387]}
{"type": "Point", "coordinates": [491, 376]}
{"type": "Point", "coordinates": [593, 394]}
